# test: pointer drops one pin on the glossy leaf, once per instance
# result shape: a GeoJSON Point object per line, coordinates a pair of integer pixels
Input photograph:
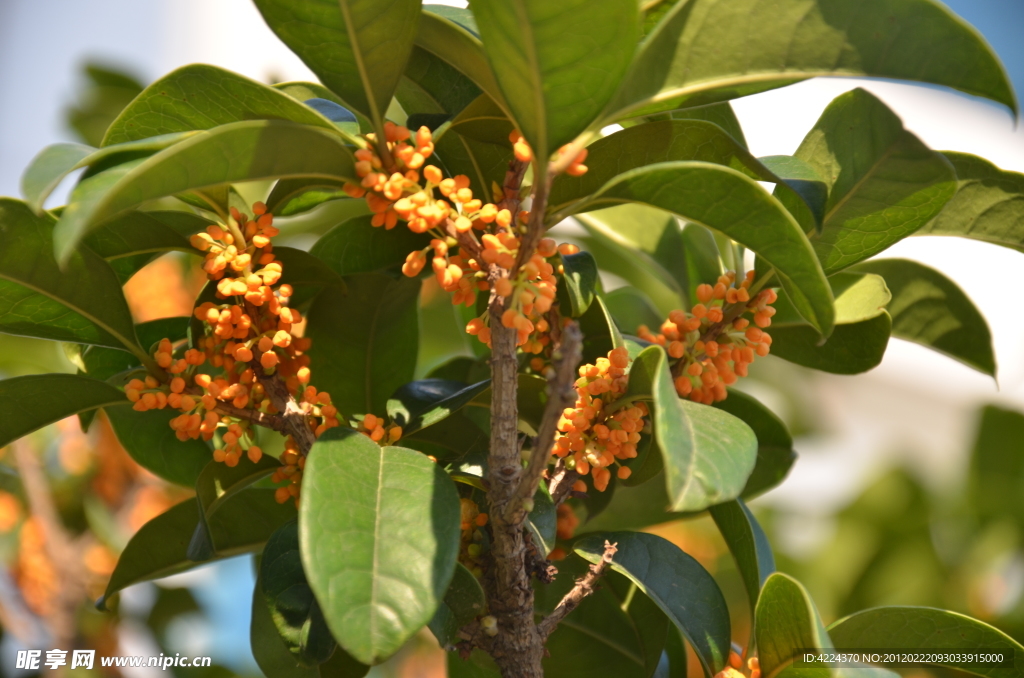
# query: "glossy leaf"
{"type": "Point", "coordinates": [355, 246]}
{"type": "Point", "coordinates": [930, 309]}
{"type": "Point", "coordinates": [925, 628]}
{"type": "Point", "coordinates": [557, 68]}
{"type": "Point", "coordinates": [159, 548]}
{"type": "Point", "coordinates": [706, 51]}
{"type": "Point", "coordinates": [31, 402]}
{"type": "Point", "coordinates": [463, 602]}
{"type": "Point", "coordinates": [150, 440]}
{"type": "Point", "coordinates": [578, 283]}
{"type": "Point", "coordinates": [103, 363]}
{"type": "Point", "coordinates": [430, 85]}
{"type": "Point", "coordinates": [676, 583]}
{"type": "Point", "coordinates": [80, 301]}
{"type": "Point", "coordinates": [200, 97]}
{"type": "Point", "coordinates": [367, 512]}
{"type": "Point", "coordinates": [786, 622]}
{"type": "Point", "coordinates": [358, 48]}
{"type": "Point", "coordinates": [218, 484]}
{"type": "Point", "coordinates": [294, 611]}
{"type": "Point", "coordinates": [294, 196]}
{"type": "Point", "coordinates": [269, 650]}
{"type": "Point", "coordinates": [241, 151]}
{"type": "Point", "coordinates": [748, 544]}
{"type": "Point", "coordinates": [775, 454]}
{"type": "Point", "coordinates": [884, 184]}
{"type": "Point", "coordinates": [600, 335]}
{"type": "Point", "coordinates": [725, 200]}
{"type": "Point", "coordinates": [987, 205]}
{"type": "Point", "coordinates": [852, 348]}
{"type": "Point", "coordinates": [364, 340]}
{"type": "Point", "coordinates": [708, 454]}
{"type": "Point", "coordinates": [423, 403]}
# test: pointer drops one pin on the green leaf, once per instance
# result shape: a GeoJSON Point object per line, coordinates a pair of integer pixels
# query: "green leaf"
{"type": "Point", "coordinates": [884, 184]}
{"type": "Point", "coordinates": [367, 512]}
{"type": "Point", "coordinates": [748, 544]}
{"type": "Point", "coordinates": [355, 246]}
{"type": "Point", "coordinates": [364, 340]}
{"type": "Point", "coordinates": [241, 151]}
{"type": "Point", "coordinates": [105, 93]}
{"type": "Point", "coordinates": [803, 179]}
{"type": "Point", "coordinates": [150, 440]}
{"type": "Point", "coordinates": [81, 301]}
{"type": "Point", "coordinates": [631, 308]}
{"type": "Point", "coordinates": [31, 402]}
{"type": "Point", "coordinates": [557, 68]}
{"type": "Point", "coordinates": [708, 454]}
{"type": "Point", "coordinates": [358, 48]}
{"type": "Point", "coordinates": [997, 467]}
{"type": "Point", "coordinates": [463, 602]}
{"type": "Point", "coordinates": [578, 283]}
{"type": "Point", "coordinates": [601, 637]}
{"type": "Point", "coordinates": [775, 454]}
{"type": "Point", "coordinates": [103, 363]}
{"type": "Point", "coordinates": [786, 621]}
{"type": "Point", "coordinates": [306, 273]}
{"type": "Point", "coordinates": [706, 51]}
{"type": "Point", "coordinates": [459, 15]}
{"type": "Point", "coordinates": [542, 521]}
{"type": "Point", "coordinates": [725, 200]}
{"type": "Point", "coordinates": [853, 348]}
{"type": "Point", "coordinates": [423, 403]}
{"type": "Point", "coordinates": [269, 650]}
{"type": "Point", "coordinates": [930, 309]}
{"type": "Point", "coordinates": [600, 335]}
{"type": "Point", "coordinates": [676, 583]}
{"type": "Point", "coordinates": [987, 205]}
{"type": "Point", "coordinates": [294, 611]}
{"type": "Point", "coordinates": [219, 483]}
{"type": "Point", "coordinates": [159, 548]}
{"type": "Point", "coordinates": [483, 162]}
{"type": "Point", "coordinates": [200, 97]}
{"type": "Point", "coordinates": [925, 628]}
{"type": "Point", "coordinates": [433, 86]}
{"type": "Point", "coordinates": [721, 114]}
{"type": "Point", "coordinates": [484, 120]}
{"type": "Point", "coordinates": [131, 241]}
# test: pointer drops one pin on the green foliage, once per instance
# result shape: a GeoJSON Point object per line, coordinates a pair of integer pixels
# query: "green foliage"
{"type": "Point", "coordinates": [32, 402]}
{"type": "Point", "coordinates": [463, 602]}
{"type": "Point", "coordinates": [748, 544]}
{"type": "Point", "coordinates": [106, 92]}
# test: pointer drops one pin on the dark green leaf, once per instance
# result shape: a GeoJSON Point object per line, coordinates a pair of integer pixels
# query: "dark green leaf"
{"type": "Point", "coordinates": [294, 196]}
{"type": "Point", "coordinates": [293, 609]}
{"type": "Point", "coordinates": [721, 114]}
{"type": "Point", "coordinates": [106, 92]}
{"type": "Point", "coordinates": [150, 440]}
{"type": "Point", "coordinates": [484, 120]}
{"type": "Point", "coordinates": [557, 69]}
{"type": "Point", "coordinates": [364, 340]}
{"type": "Point", "coordinates": [269, 650]}
{"type": "Point", "coordinates": [853, 348]}
{"type": "Point", "coordinates": [775, 454]}
{"type": "Point", "coordinates": [987, 205]}
{"type": "Point", "coordinates": [786, 621]}
{"type": "Point", "coordinates": [676, 583]}
{"type": "Point", "coordinates": [483, 162]}
{"type": "Point", "coordinates": [997, 467]}
{"type": "Point", "coordinates": [358, 48]}
{"type": "Point", "coordinates": [543, 521]}
{"type": "Point", "coordinates": [883, 183]}
{"type": "Point", "coordinates": [368, 512]}
{"type": "Point", "coordinates": [432, 85]}
{"type": "Point", "coordinates": [928, 308]}
{"type": "Point", "coordinates": [131, 241]}
{"type": "Point", "coordinates": [748, 544]}
{"type": "Point", "coordinates": [600, 335]}
{"type": "Point", "coordinates": [578, 283]}
{"type": "Point", "coordinates": [355, 246]}
{"type": "Point", "coordinates": [725, 200]}
{"type": "Point", "coordinates": [805, 181]}
{"type": "Point", "coordinates": [924, 628]}
{"type": "Point", "coordinates": [219, 483]}
{"type": "Point", "coordinates": [306, 273]}
{"type": "Point", "coordinates": [159, 548]}
{"type": "Point", "coordinates": [631, 308]}
{"type": "Point", "coordinates": [80, 302]}
{"type": "Point", "coordinates": [241, 151]}
{"type": "Point", "coordinates": [708, 454]}
{"type": "Point", "coordinates": [31, 402]}
{"type": "Point", "coordinates": [463, 602]}
{"type": "Point", "coordinates": [707, 51]}
{"type": "Point", "coordinates": [103, 363]}
{"type": "Point", "coordinates": [423, 403]}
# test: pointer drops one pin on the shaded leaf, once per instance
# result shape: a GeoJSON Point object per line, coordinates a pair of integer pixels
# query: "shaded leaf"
{"type": "Point", "coordinates": [720, 114]}
{"type": "Point", "coordinates": [31, 402]}
{"type": "Point", "coordinates": [578, 284]}
{"type": "Point", "coordinates": [483, 162]}
{"type": "Point", "coordinates": [557, 69]}
{"type": "Point", "coordinates": [786, 622]}
{"type": "Point", "coordinates": [748, 544]}
{"type": "Point", "coordinates": [463, 602]}
{"type": "Point", "coordinates": [367, 512]}
{"type": "Point", "coordinates": [219, 483]}
{"type": "Point", "coordinates": [775, 454]}
{"type": "Point", "coordinates": [853, 348]}
{"type": "Point", "coordinates": [928, 308]}
{"type": "Point", "coordinates": [150, 440]}
{"type": "Point", "coordinates": [542, 521]}
{"type": "Point", "coordinates": [268, 647]}
{"type": "Point", "coordinates": [355, 246]}
{"type": "Point", "coordinates": [676, 583]}
{"type": "Point", "coordinates": [997, 467]}
{"type": "Point", "coordinates": [423, 403]}
{"type": "Point", "coordinates": [600, 335]}
{"type": "Point", "coordinates": [364, 340]}
{"type": "Point", "coordinates": [430, 85]}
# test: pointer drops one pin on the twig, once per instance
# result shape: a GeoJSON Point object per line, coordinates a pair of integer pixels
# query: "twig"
{"type": "Point", "coordinates": [560, 396]}
{"type": "Point", "coordinates": [583, 588]}
{"type": "Point", "coordinates": [295, 421]}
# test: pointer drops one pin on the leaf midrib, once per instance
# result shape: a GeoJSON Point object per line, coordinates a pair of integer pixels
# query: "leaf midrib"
{"type": "Point", "coordinates": [860, 182]}
{"type": "Point", "coordinates": [376, 548]}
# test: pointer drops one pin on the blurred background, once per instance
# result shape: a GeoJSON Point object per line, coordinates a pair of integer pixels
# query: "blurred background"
{"type": "Point", "coordinates": [910, 484]}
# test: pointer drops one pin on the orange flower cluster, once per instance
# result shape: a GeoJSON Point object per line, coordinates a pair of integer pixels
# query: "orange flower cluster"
{"type": "Point", "coordinates": [713, 344]}
{"type": "Point", "coordinates": [472, 540]}
{"type": "Point", "coordinates": [593, 432]}
{"type": "Point", "coordinates": [250, 330]}
{"type": "Point", "coordinates": [373, 427]}
{"type": "Point", "coordinates": [736, 663]}
{"type": "Point", "coordinates": [524, 153]}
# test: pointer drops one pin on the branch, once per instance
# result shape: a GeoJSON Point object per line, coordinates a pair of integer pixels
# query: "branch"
{"type": "Point", "coordinates": [560, 396]}
{"type": "Point", "coordinates": [294, 419]}
{"type": "Point", "coordinates": [584, 587]}
{"type": "Point", "coordinates": [271, 421]}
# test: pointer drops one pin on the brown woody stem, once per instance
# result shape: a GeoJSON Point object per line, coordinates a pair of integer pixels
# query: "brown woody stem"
{"type": "Point", "coordinates": [584, 587]}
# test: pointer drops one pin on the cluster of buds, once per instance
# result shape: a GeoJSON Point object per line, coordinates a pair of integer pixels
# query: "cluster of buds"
{"type": "Point", "coordinates": [373, 427]}
{"type": "Point", "coordinates": [524, 153]}
{"type": "Point", "coordinates": [250, 334]}
{"type": "Point", "coordinates": [594, 434]}
{"type": "Point", "coordinates": [473, 540]}
{"type": "Point", "coordinates": [736, 663]}
{"type": "Point", "coordinates": [713, 345]}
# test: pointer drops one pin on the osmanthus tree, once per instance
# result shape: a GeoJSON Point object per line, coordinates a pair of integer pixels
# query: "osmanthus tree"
{"type": "Point", "coordinates": [380, 504]}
